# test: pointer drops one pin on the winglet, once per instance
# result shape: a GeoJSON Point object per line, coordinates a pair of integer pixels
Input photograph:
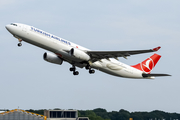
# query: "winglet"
{"type": "Point", "coordinates": [157, 48]}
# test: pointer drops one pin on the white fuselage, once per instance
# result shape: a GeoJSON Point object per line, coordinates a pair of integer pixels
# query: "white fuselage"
{"type": "Point", "coordinates": [60, 46]}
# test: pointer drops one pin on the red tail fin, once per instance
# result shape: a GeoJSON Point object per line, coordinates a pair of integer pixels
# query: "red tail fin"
{"type": "Point", "coordinates": [148, 64]}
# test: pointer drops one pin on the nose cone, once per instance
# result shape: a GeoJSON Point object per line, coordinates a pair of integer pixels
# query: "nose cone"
{"type": "Point", "coordinates": [8, 27]}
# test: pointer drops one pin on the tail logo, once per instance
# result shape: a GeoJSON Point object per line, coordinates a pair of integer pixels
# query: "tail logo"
{"type": "Point", "coordinates": [147, 65]}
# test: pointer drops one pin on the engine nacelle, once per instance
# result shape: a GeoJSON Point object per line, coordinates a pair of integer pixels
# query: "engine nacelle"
{"type": "Point", "coordinates": [79, 54]}
{"type": "Point", "coordinates": [50, 57]}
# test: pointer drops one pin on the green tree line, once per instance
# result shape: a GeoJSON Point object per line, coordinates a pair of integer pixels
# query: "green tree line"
{"type": "Point", "coordinates": [102, 114]}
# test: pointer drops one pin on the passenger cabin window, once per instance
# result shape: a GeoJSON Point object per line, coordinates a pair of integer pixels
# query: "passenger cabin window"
{"type": "Point", "coordinates": [13, 24]}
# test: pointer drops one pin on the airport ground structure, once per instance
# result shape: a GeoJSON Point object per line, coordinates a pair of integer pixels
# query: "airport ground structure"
{"type": "Point", "coordinates": [95, 114]}
{"type": "Point", "coordinates": [63, 115]}
{"type": "Point", "coordinates": [18, 114]}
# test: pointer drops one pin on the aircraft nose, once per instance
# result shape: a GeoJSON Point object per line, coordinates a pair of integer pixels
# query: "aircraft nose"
{"type": "Point", "coordinates": [7, 27]}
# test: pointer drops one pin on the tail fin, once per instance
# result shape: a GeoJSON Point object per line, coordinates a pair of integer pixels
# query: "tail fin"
{"type": "Point", "coordinates": [148, 64]}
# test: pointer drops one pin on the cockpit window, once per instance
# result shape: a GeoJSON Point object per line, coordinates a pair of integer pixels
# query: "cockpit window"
{"type": "Point", "coordinates": [13, 24]}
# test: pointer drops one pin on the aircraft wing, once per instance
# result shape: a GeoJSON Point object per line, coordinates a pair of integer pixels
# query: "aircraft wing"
{"type": "Point", "coordinates": [98, 55]}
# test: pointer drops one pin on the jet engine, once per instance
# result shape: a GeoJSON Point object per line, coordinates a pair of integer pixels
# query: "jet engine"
{"type": "Point", "coordinates": [50, 57]}
{"type": "Point", "coordinates": [79, 54]}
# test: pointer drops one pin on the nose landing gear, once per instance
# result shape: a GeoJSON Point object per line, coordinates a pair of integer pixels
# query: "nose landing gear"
{"type": "Point", "coordinates": [19, 44]}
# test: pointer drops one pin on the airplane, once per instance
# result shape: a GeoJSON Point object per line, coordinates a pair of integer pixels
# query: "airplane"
{"type": "Point", "coordinates": [78, 56]}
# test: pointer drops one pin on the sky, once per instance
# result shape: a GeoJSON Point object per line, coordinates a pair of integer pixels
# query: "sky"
{"type": "Point", "coordinates": [29, 82]}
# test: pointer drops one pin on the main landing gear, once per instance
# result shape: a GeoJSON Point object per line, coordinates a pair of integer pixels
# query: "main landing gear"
{"type": "Point", "coordinates": [90, 70]}
{"type": "Point", "coordinates": [74, 70]}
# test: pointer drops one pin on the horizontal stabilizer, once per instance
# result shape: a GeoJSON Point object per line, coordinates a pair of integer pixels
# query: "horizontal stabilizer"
{"type": "Point", "coordinates": [155, 75]}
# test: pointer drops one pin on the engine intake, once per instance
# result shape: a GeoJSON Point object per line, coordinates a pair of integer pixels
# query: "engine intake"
{"type": "Point", "coordinates": [79, 54]}
{"type": "Point", "coordinates": [52, 58]}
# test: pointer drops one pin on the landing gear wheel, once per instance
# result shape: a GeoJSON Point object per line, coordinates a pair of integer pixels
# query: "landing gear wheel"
{"type": "Point", "coordinates": [91, 71]}
{"type": "Point", "coordinates": [19, 44]}
{"type": "Point", "coordinates": [75, 73]}
{"type": "Point", "coordinates": [87, 67]}
{"type": "Point", "coordinates": [72, 69]}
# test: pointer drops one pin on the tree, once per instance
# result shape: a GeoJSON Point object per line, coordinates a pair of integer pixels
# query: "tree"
{"type": "Point", "coordinates": [101, 112]}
